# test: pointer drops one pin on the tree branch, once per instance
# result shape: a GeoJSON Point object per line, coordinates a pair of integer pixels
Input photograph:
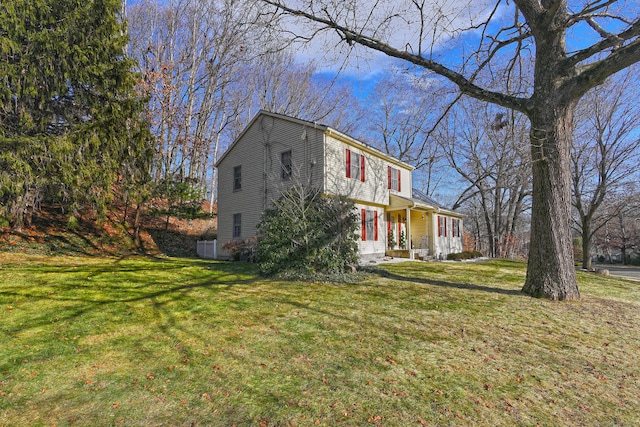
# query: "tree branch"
{"type": "Point", "coordinates": [465, 85]}
{"type": "Point", "coordinates": [594, 74]}
{"type": "Point", "coordinates": [608, 43]}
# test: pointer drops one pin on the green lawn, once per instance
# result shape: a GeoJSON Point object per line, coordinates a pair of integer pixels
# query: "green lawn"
{"type": "Point", "coordinates": [135, 341]}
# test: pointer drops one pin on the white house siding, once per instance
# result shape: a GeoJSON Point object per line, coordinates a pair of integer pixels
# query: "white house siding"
{"type": "Point", "coordinates": [306, 145]}
{"type": "Point", "coordinates": [370, 248]}
{"type": "Point", "coordinates": [405, 182]}
{"type": "Point", "coordinates": [247, 201]}
{"type": "Point", "coordinates": [375, 188]}
{"type": "Point", "coordinates": [318, 156]}
{"type": "Point", "coordinates": [444, 245]}
{"type": "Point", "coordinates": [258, 151]}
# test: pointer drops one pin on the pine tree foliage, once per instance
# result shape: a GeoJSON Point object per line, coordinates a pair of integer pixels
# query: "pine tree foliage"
{"type": "Point", "coordinates": [307, 232]}
{"type": "Point", "coordinates": [70, 119]}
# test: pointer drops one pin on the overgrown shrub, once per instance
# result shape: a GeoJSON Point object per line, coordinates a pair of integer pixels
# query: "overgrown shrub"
{"type": "Point", "coordinates": [307, 233]}
{"type": "Point", "coordinates": [458, 256]}
{"type": "Point", "coordinates": [241, 250]}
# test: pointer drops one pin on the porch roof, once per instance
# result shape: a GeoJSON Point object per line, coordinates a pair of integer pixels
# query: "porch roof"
{"type": "Point", "coordinates": [399, 202]}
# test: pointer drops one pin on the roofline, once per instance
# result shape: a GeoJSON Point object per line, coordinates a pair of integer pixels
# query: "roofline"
{"type": "Point", "coordinates": [327, 130]}
{"type": "Point", "coordinates": [274, 115]}
{"type": "Point", "coordinates": [366, 148]}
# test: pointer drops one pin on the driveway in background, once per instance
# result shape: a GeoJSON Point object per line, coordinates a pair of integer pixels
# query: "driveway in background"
{"type": "Point", "coordinates": [621, 270]}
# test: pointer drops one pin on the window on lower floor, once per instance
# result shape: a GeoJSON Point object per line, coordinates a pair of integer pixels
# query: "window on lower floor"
{"type": "Point", "coordinates": [237, 225]}
{"type": "Point", "coordinates": [455, 227]}
{"type": "Point", "coordinates": [442, 226]}
{"type": "Point", "coordinates": [369, 225]}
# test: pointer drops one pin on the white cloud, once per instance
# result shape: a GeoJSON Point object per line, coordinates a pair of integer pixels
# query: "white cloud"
{"type": "Point", "coordinates": [395, 22]}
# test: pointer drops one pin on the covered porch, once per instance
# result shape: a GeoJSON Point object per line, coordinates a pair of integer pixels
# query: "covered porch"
{"type": "Point", "coordinates": [410, 229]}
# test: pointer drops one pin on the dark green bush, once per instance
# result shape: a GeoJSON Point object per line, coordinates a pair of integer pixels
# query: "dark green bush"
{"type": "Point", "coordinates": [307, 233]}
{"type": "Point", "coordinates": [464, 255]}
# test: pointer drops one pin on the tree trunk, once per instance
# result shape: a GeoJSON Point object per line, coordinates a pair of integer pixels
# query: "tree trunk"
{"type": "Point", "coordinates": [586, 244]}
{"type": "Point", "coordinates": [550, 271]}
{"type": "Point", "coordinates": [136, 226]}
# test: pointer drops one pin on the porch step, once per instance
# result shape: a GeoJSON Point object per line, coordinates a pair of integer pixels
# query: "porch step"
{"type": "Point", "coordinates": [397, 253]}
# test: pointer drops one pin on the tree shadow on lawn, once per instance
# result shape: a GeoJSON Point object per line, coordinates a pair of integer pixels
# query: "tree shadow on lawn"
{"type": "Point", "coordinates": [224, 276]}
{"type": "Point", "coordinates": [441, 283]}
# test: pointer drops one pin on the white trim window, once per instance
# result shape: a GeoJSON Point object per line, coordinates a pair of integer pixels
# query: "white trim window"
{"type": "Point", "coordinates": [354, 163]}
{"type": "Point", "coordinates": [455, 227]}
{"type": "Point", "coordinates": [369, 225]}
{"type": "Point", "coordinates": [237, 225]}
{"type": "Point", "coordinates": [442, 226]}
{"type": "Point", "coordinates": [237, 178]}
{"type": "Point", "coordinates": [285, 165]}
{"type": "Point", "coordinates": [393, 176]}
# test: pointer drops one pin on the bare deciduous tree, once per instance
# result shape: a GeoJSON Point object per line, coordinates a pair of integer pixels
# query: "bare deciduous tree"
{"type": "Point", "coordinates": [401, 113]}
{"type": "Point", "coordinates": [276, 82]}
{"type": "Point", "coordinates": [488, 148]}
{"type": "Point", "coordinates": [605, 155]}
{"type": "Point", "coordinates": [605, 41]}
{"type": "Point", "coordinates": [190, 54]}
{"type": "Point", "coordinates": [622, 230]}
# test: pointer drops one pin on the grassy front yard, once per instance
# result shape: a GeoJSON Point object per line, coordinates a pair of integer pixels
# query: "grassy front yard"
{"type": "Point", "coordinates": [95, 341]}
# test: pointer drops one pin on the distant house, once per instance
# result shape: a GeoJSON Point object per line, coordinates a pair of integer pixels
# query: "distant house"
{"type": "Point", "coordinates": [275, 150]}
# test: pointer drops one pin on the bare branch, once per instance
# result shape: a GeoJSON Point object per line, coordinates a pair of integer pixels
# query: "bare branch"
{"type": "Point", "coordinates": [466, 85]}
{"type": "Point", "coordinates": [603, 45]}
{"type": "Point", "coordinates": [590, 76]}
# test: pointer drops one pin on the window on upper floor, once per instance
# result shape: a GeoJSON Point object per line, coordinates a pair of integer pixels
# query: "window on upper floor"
{"type": "Point", "coordinates": [369, 221]}
{"type": "Point", "coordinates": [237, 178]}
{"type": "Point", "coordinates": [354, 165]}
{"type": "Point", "coordinates": [393, 178]}
{"type": "Point", "coordinates": [285, 165]}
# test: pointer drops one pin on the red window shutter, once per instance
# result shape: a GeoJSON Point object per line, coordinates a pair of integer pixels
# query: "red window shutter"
{"type": "Point", "coordinates": [445, 226]}
{"type": "Point", "coordinates": [364, 224]}
{"type": "Point", "coordinates": [348, 163]}
{"type": "Point", "coordinates": [375, 226]}
{"type": "Point", "coordinates": [439, 226]}
{"type": "Point", "coordinates": [361, 168]}
{"type": "Point", "coordinates": [389, 174]}
{"type": "Point", "coordinates": [399, 180]}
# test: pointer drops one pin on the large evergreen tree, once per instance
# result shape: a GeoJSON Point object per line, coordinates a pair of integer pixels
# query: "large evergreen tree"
{"type": "Point", "coordinates": [69, 116]}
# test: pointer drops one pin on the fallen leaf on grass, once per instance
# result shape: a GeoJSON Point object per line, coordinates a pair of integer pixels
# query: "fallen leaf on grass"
{"type": "Point", "coordinates": [375, 419]}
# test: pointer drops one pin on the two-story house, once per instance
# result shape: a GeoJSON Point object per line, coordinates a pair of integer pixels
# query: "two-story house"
{"type": "Point", "coordinates": [274, 151]}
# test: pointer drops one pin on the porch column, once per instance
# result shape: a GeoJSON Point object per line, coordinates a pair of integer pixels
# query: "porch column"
{"type": "Point", "coordinates": [408, 242]}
